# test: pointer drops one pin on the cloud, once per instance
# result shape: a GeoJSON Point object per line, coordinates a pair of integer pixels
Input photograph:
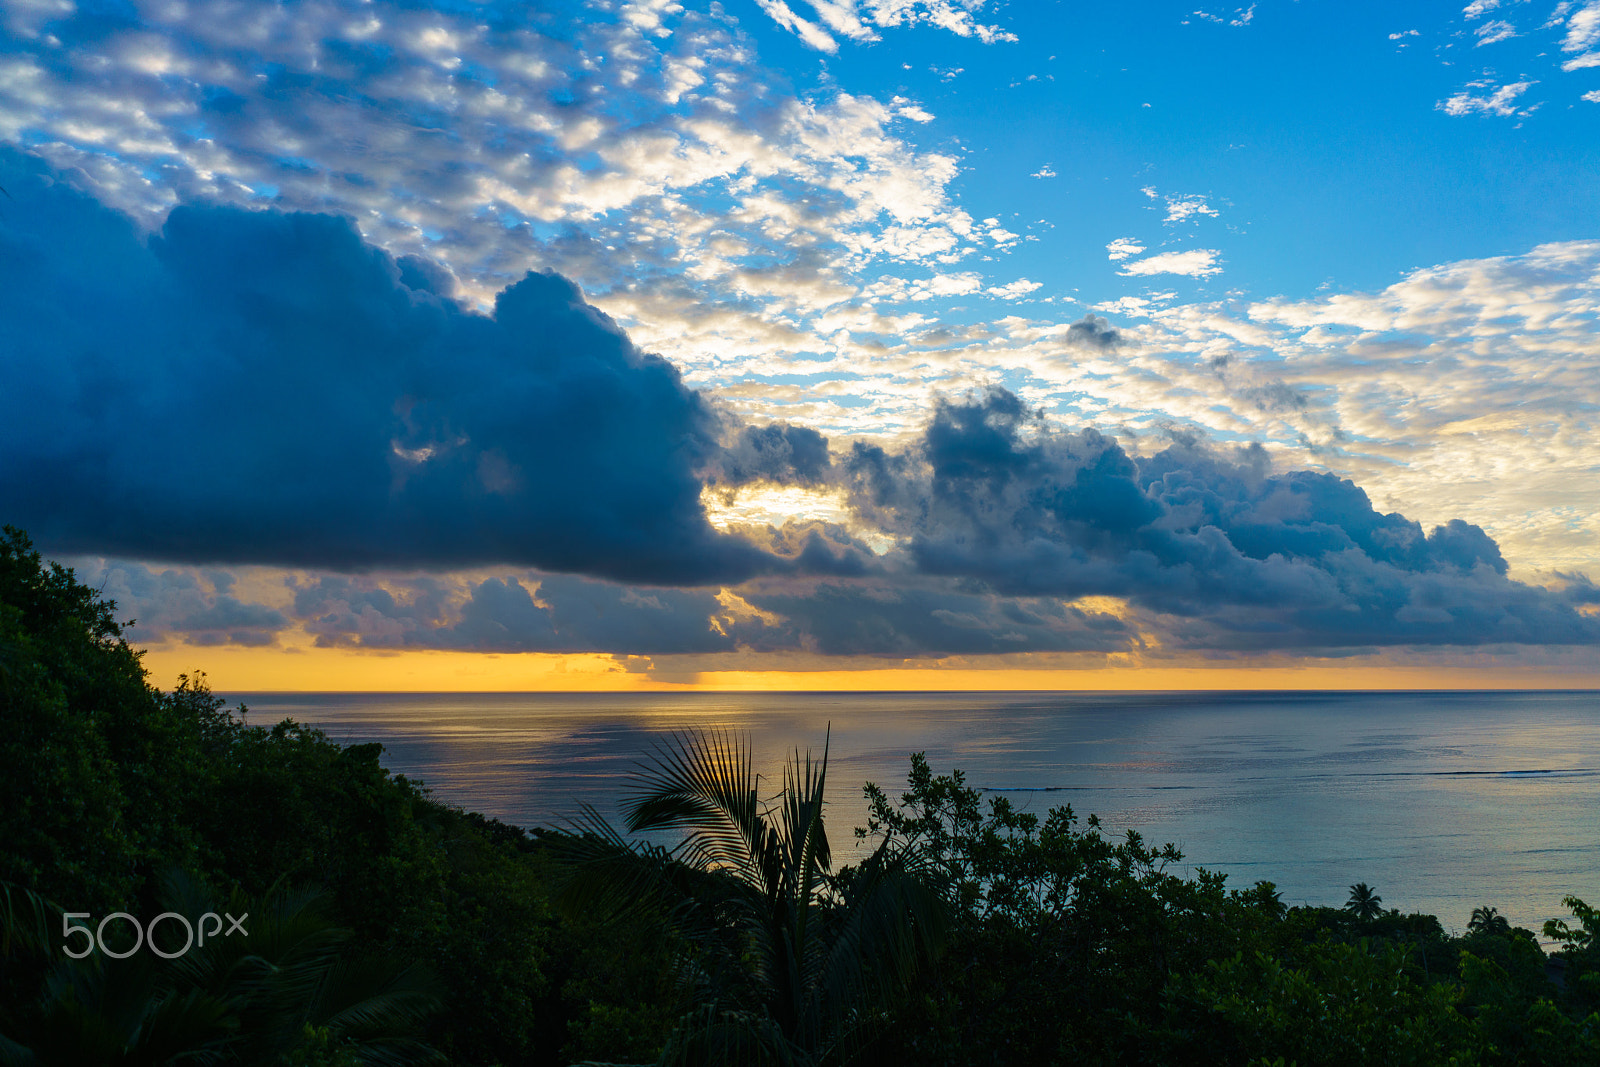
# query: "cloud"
{"type": "Point", "coordinates": [266, 387]}
{"type": "Point", "coordinates": [854, 20]}
{"type": "Point", "coordinates": [957, 283]}
{"type": "Point", "coordinates": [1091, 331]}
{"type": "Point", "coordinates": [528, 613]}
{"type": "Point", "coordinates": [196, 606]}
{"type": "Point", "coordinates": [955, 16]}
{"type": "Point", "coordinates": [639, 149]}
{"type": "Point", "coordinates": [1004, 534]}
{"type": "Point", "coordinates": [1494, 32]}
{"type": "Point", "coordinates": [1194, 263]}
{"type": "Point", "coordinates": [1502, 101]}
{"type": "Point", "coordinates": [1478, 8]}
{"type": "Point", "coordinates": [1180, 208]}
{"type": "Point", "coordinates": [1228, 553]}
{"type": "Point", "coordinates": [1123, 248]}
{"type": "Point", "coordinates": [908, 110]}
{"type": "Point", "coordinates": [929, 620]}
{"type": "Point", "coordinates": [1241, 16]}
{"type": "Point", "coordinates": [810, 33]}
{"type": "Point", "coordinates": [903, 617]}
{"type": "Point", "coordinates": [1014, 290]}
{"type": "Point", "coordinates": [1043, 172]}
{"type": "Point", "coordinates": [1583, 28]}
{"type": "Point", "coordinates": [1455, 392]}
{"type": "Point", "coordinates": [780, 453]}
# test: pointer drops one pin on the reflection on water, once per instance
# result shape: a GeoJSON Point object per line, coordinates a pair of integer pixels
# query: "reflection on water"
{"type": "Point", "coordinates": [1441, 801]}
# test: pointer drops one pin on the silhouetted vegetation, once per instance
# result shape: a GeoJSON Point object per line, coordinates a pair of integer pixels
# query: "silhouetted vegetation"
{"type": "Point", "coordinates": [784, 962]}
{"type": "Point", "coordinates": [385, 927]}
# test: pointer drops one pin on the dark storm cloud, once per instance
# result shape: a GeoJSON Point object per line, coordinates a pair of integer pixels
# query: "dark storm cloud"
{"type": "Point", "coordinates": [817, 548]}
{"type": "Point", "coordinates": [196, 607]}
{"type": "Point", "coordinates": [1579, 588]}
{"type": "Point", "coordinates": [1253, 559]}
{"type": "Point", "coordinates": [578, 615]}
{"type": "Point", "coordinates": [906, 617]}
{"type": "Point", "coordinates": [266, 387]}
{"type": "Point", "coordinates": [1092, 331]}
{"type": "Point", "coordinates": [341, 611]}
{"type": "Point", "coordinates": [779, 452]}
{"type": "Point", "coordinates": [543, 613]}
{"type": "Point", "coordinates": [920, 619]}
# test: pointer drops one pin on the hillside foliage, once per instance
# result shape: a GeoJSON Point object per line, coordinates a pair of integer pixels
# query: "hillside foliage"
{"type": "Point", "coordinates": [387, 927]}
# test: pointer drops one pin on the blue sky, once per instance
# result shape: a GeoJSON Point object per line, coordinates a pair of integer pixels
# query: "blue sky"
{"type": "Point", "coordinates": [1331, 240]}
{"type": "Point", "coordinates": [1324, 144]}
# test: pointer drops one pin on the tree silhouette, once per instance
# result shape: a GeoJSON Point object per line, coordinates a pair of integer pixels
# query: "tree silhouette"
{"type": "Point", "coordinates": [1364, 904]}
{"type": "Point", "coordinates": [1487, 920]}
{"type": "Point", "coordinates": [784, 955]}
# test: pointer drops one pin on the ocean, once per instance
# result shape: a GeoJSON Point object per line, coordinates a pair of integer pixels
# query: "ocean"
{"type": "Point", "coordinates": [1441, 801]}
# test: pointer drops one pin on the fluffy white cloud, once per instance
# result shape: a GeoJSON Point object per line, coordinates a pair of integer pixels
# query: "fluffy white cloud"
{"type": "Point", "coordinates": [1583, 28]}
{"type": "Point", "coordinates": [908, 110]}
{"type": "Point", "coordinates": [640, 150]}
{"type": "Point", "coordinates": [1193, 263]}
{"type": "Point", "coordinates": [1122, 248]}
{"type": "Point", "coordinates": [1015, 290]}
{"type": "Point", "coordinates": [1462, 391]}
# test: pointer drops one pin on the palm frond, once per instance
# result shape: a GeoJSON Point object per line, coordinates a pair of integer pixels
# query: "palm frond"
{"type": "Point", "coordinates": [373, 998]}
{"type": "Point", "coordinates": [191, 1029]}
{"type": "Point", "coordinates": [800, 827]}
{"type": "Point", "coordinates": [889, 922]}
{"type": "Point", "coordinates": [26, 920]}
{"type": "Point", "coordinates": [399, 1052]}
{"type": "Point", "coordinates": [13, 1054]}
{"type": "Point", "coordinates": [703, 784]}
{"type": "Point", "coordinates": [788, 954]}
{"type": "Point", "coordinates": [730, 1039]}
{"type": "Point", "coordinates": [608, 876]}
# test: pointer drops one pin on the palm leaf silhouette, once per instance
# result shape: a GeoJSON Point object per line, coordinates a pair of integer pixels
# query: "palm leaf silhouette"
{"type": "Point", "coordinates": [784, 953]}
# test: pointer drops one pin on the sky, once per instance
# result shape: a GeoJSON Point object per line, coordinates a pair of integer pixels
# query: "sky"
{"type": "Point", "coordinates": [855, 344]}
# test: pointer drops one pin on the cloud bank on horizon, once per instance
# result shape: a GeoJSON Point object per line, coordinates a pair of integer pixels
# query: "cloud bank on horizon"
{"type": "Point", "coordinates": [587, 330]}
{"type": "Point", "coordinates": [266, 388]}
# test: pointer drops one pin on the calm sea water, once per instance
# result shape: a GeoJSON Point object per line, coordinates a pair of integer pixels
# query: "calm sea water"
{"type": "Point", "coordinates": [1441, 801]}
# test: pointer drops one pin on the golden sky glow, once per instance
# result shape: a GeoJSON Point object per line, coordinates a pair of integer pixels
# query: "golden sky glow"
{"type": "Point", "coordinates": [233, 669]}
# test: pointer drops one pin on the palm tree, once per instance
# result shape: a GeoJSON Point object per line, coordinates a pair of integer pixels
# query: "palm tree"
{"type": "Point", "coordinates": [1487, 920]}
{"type": "Point", "coordinates": [1364, 904]}
{"type": "Point", "coordinates": [786, 954]}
